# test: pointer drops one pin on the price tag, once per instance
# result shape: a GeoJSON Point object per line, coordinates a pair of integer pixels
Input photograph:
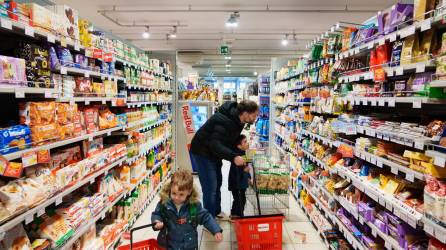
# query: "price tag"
{"type": "Point", "coordinates": [429, 229]}
{"type": "Point", "coordinates": [391, 102]}
{"type": "Point", "coordinates": [420, 68]}
{"type": "Point", "coordinates": [394, 170]}
{"type": "Point", "coordinates": [407, 31]}
{"type": "Point", "coordinates": [19, 93]}
{"type": "Point", "coordinates": [381, 41]}
{"type": "Point", "coordinates": [419, 144]}
{"type": "Point", "coordinates": [381, 102]}
{"type": "Point", "coordinates": [373, 102]}
{"type": "Point", "coordinates": [58, 200]}
{"type": "Point", "coordinates": [392, 37]}
{"type": "Point", "coordinates": [51, 38]}
{"type": "Point", "coordinates": [40, 212]}
{"type": "Point", "coordinates": [373, 160]}
{"type": "Point", "coordinates": [6, 24]}
{"type": "Point", "coordinates": [361, 220]}
{"type": "Point", "coordinates": [379, 163]}
{"type": "Point", "coordinates": [63, 70]}
{"type": "Point", "coordinates": [399, 71]}
{"type": "Point", "coordinates": [29, 31]}
{"type": "Point", "coordinates": [87, 102]}
{"type": "Point", "coordinates": [90, 138]}
{"type": "Point", "coordinates": [63, 41]}
{"type": "Point", "coordinates": [426, 25]}
{"type": "Point", "coordinates": [87, 73]}
{"type": "Point", "coordinates": [374, 233]}
{"type": "Point", "coordinates": [48, 94]}
{"type": "Point", "coordinates": [382, 201]}
{"type": "Point", "coordinates": [76, 45]}
{"type": "Point", "coordinates": [389, 206]}
{"type": "Point", "coordinates": [103, 216]}
{"type": "Point", "coordinates": [364, 102]}
{"type": "Point", "coordinates": [410, 177]}
{"type": "Point", "coordinates": [389, 72]}
{"type": "Point", "coordinates": [29, 219]}
{"type": "Point", "coordinates": [439, 161]}
{"type": "Point", "coordinates": [416, 104]}
{"type": "Point", "coordinates": [72, 102]}
{"type": "Point", "coordinates": [412, 222]}
{"type": "Point", "coordinates": [370, 45]}
{"type": "Point", "coordinates": [356, 51]}
{"type": "Point", "coordinates": [387, 245]}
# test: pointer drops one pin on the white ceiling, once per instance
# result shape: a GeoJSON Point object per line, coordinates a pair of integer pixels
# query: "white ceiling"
{"type": "Point", "coordinates": [203, 28]}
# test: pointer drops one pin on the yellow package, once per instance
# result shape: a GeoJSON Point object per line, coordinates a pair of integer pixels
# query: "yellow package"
{"type": "Point", "coordinates": [410, 45]}
{"type": "Point", "coordinates": [98, 89]}
{"type": "Point", "coordinates": [421, 7]}
{"type": "Point", "coordinates": [427, 44]}
{"type": "Point", "coordinates": [391, 187]}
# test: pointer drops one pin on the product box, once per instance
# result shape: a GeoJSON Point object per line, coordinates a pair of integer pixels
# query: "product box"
{"type": "Point", "coordinates": [41, 17]}
{"type": "Point", "coordinates": [12, 71]}
{"type": "Point", "coordinates": [14, 138]}
{"type": "Point", "coordinates": [69, 19]}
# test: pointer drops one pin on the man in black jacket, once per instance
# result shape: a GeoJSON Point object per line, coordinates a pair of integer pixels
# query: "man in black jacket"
{"type": "Point", "coordinates": [214, 142]}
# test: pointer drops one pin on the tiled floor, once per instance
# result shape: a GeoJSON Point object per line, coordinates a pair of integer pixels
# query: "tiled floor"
{"type": "Point", "coordinates": [295, 221]}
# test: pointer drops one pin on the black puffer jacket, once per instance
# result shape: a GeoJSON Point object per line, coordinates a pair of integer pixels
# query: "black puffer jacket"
{"type": "Point", "coordinates": [216, 138]}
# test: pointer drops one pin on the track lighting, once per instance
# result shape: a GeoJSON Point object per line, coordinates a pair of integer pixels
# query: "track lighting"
{"type": "Point", "coordinates": [146, 33]}
{"type": "Point", "coordinates": [233, 20]}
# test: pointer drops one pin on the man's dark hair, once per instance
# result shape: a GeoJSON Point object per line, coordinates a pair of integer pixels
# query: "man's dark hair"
{"type": "Point", "coordinates": [239, 139]}
{"type": "Point", "coordinates": [247, 106]}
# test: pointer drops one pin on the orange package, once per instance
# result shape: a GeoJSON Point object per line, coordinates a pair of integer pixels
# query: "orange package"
{"type": "Point", "coordinates": [66, 131]}
{"type": "Point", "coordinates": [107, 119]}
{"type": "Point", "coordinates": [41, 133]}
{"type": "Point", "coordinates": [37, 113]}
{"type": "Point", "coordinates": [65, 113]}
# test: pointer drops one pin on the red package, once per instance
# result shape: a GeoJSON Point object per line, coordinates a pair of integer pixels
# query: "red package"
{"type": "Point", "coordinates": [79, 124]}
{"type": "Point", "coordinates": [83, 87]}
{"type": "Point", "coordinates": [91, 117]}
{"type": "Point", "coordinates": [382, 54]}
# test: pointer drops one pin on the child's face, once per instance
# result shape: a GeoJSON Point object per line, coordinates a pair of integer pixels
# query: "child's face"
{"type": "Point", "coordinates": [178, 197]}
{"type": "Point", "coordinates": [244, 145]}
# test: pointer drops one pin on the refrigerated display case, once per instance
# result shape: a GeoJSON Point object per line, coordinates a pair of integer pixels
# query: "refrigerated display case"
{"type": "Point", "coordinates": [192, 115]}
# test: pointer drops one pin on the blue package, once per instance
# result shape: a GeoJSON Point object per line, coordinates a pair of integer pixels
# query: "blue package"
{"type": "Point", "coordinates": [14, 138]}
{"type": "Point", "coordinates": [54, 61]}
{"type": "Point", "coordinates": [364, 170]}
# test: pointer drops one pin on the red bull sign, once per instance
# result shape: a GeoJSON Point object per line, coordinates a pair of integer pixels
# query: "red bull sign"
{"type": "Point", "coordinates": [188, 123]}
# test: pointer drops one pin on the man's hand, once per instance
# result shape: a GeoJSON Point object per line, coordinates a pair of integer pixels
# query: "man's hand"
{"type": "Point", "coordinates": [239, 161]}
{"type": "Point", "coordinates": [246, 169]}
{"type": "Point", "coordinates": [218, 237]}
{"type": "Point", "coordinates": [159, 225]}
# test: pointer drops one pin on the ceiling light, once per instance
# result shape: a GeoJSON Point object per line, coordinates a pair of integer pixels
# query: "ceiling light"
{"type": "Point", "coordinates": [146, 33]}
{"type": "Point", "coordinates": [285, 40]}
{"type": "Point", "coordinates": [228, 65]}
{"type": "Point", "coordinates": [255, 73]}
{"type": "Point", "coordinates": [227, 58]}
{"type": "Point", "coordinates": [232, 21]}
{"type": "Point", "coordinates": [174, 33]}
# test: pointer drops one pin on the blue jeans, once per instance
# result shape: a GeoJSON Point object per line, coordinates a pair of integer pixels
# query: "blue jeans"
{"type": "Point", "coordinates": [211, 179]}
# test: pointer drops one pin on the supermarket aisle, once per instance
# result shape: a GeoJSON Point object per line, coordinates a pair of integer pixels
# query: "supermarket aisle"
{"type": "Point", "coordinates": [296, 221]}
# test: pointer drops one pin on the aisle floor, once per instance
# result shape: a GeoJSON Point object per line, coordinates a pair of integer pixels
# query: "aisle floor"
{"type": "Point", "coordinates": [296, 221]}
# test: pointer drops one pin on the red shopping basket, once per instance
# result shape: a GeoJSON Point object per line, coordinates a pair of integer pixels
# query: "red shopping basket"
{"type": "Point", "coordinates": [151, 244]}
{"type": "Point", "coordinates": [262, 232]}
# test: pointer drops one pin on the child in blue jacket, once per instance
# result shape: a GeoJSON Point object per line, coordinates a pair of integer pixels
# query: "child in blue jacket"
{"type": "Point", "coordinates": [238, 180]}
{"type": "Point", "coordinates": [179, 212]}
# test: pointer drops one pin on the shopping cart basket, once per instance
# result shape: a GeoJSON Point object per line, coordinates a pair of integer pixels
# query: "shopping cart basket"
{"type": "Point", "coordinates": [150, 244]}
{"type": "Point", "coordinates": [260, 232]}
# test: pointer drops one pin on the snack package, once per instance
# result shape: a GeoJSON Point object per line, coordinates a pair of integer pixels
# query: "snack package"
{"type": "Point", "coordinates": [98, 89]}
{"type": "Point", "coordinates": [38, 72]}
{"type": "Point", "coordinates": [70, 21]}
{"type": "Point", "coordinates": [65, 57]}
{"type": "Point", "coordinates": [65, 113]}
{"type": "Point", "coordinates": [110, 88]}
{"type": "Point", "coordinates": [14, 138]}
{"type": "Point", "coordinates": [421, 7]}
{"type": "Point", "coordinates": [107, 119]}
{"type": "Point", "coordinates": [83, 86]}
{"type": "Point", "coordinates": [12, 71]}
{"type": "Point", "coordinates": [91, 148]}
{"type": "Point", "coordinates": [91, 119]}
{"type": "Point", "coordinates": [13, 169]}
{"type": "Point", "coordinates": [427, 45]}
{"type": "Point", "coordinates": [34, 192]}
{"type": "Point", "coordinates": [42, 133]}
{"type": "Point", "coordinates": [37, 113]}
{"type": "Point", "coordinates": [13, 197]}
{"type": "Point", "coordinates": [396, 53]}
{"type": "Point", "coordinates": [79, 124]}
{"type": "Point", "coordinates": [54, 228]}
{"type": "Point", "coordinates": [16, 239]}
{"type": "Point", "coordinates": [42, 175]}
{"type": "Point", "coordinates": [66, 131]}
{"type": "Point", "coordinates": [410, 46]}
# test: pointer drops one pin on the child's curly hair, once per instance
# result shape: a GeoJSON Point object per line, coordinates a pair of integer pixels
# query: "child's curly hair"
{"type": "Point", "coordinates": [184, 180]}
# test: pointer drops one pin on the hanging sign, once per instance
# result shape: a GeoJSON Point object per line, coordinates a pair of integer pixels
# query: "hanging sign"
{"type": "Point", "coordinates": [188, 123]}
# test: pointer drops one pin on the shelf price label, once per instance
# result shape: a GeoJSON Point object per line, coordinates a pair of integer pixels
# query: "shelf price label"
{"type": "Point", "coordinates": [416, 104]}
{"type": "Point", "coordinates": [51, 38]}
{"type": "Point", "coordinates": [29, 31]}
{"type": "Point", "coordinates": [426, 25]}
{"type": "Point", "coordinates": [439, 161]}
{"type": "Point", "coordinates": [19, 93]}
{"type": "Point", "coordinates": [6, 24]}
{"type": "Point", "coordinates": [394, 170]}
{"type": "Point", "coordinates": [392, 37]}
{"type": "Point", "coordinates": [410, 177]}
{"type": "Point", "coordinates": [420, 68]}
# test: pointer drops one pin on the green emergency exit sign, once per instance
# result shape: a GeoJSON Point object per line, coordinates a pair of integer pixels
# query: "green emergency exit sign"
{"type": "Point", "coordinates": [224, 50]}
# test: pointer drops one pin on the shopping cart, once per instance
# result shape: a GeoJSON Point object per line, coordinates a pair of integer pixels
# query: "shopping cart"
{"type": "Point", "coordinates": [150, 244]}
{"type": "Point", "coordinates": [259, 232]}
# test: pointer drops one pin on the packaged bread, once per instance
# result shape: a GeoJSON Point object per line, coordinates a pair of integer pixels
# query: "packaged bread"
{"type": "Point", "coordinates": [37, 113]}
{"type": "Point", "coordinates": [13, 197]}
{"type": "Point", "coordinates": [42, 133]}
{"type": "Point", "coordinates": [34, 192]}
{"type": "Point", "coordinates": [16, 239]}
{"type": "Point", "coordinates": [42, 175]}
{"type": "Point", "coordinates": [4, 213]}
{"type": "Point", "coordinates": [55, 229]}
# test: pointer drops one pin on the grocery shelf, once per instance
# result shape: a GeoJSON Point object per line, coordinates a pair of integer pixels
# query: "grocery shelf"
{"type": "Point", "coordinates": [281, 150]}
{"type": "Point", "coordinates": [438, 84]}
{"type": "Point", "coordinates": [19, 154]}
{"type": "Point", "coordinates": [399, 208]}
{"type": "Point", "coordinates": [439, 157]}
{"type": "Point", "coordinates": [140, 104]}
{"type": "Point", "coordinates": [88, 100]}
{"type": "Point", "coordinates": [28, 216]}
{"type": "Point", "coordinates": [417, 142]}
{"type": "Point", "coordinates": [315, 159]}
{"type": "Point", "coordinates": [136, 87]}
{"type": "Point", "coordinates": [20, 92]}
{"type": "Point", "coordinates": [391, 101]}
{"type": "Point", "coordinates": [29, 31]}
{"type": "Point", "coordinates": [148, 147]}
{"type": "Point", "coordinates": [67, 70]}
{"type": "Point", "coordinates": [92, 221]}
{"type": "Point", "coordinates": [395, 167]}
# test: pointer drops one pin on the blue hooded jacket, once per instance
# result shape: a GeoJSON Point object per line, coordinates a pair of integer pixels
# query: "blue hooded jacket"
{"type": "Point", "coordinates": [183, 236]}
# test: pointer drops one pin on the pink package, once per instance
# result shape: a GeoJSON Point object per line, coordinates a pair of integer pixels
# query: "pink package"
{"type": "Point", "coordinates": [12, 71]}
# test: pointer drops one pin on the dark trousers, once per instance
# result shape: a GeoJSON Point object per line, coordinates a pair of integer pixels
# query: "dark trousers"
{"type": "Point", "coordinates": [238, 205]}
{"type": "Point", "coordinates": [211, 179]}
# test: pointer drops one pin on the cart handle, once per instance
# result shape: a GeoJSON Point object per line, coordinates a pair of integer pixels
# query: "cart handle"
{"type": "Point", "coordinates": [136, 229]}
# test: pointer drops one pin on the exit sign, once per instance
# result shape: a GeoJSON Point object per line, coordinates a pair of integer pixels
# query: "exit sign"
{"type": "Point", "coordinates": [224, 49]}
